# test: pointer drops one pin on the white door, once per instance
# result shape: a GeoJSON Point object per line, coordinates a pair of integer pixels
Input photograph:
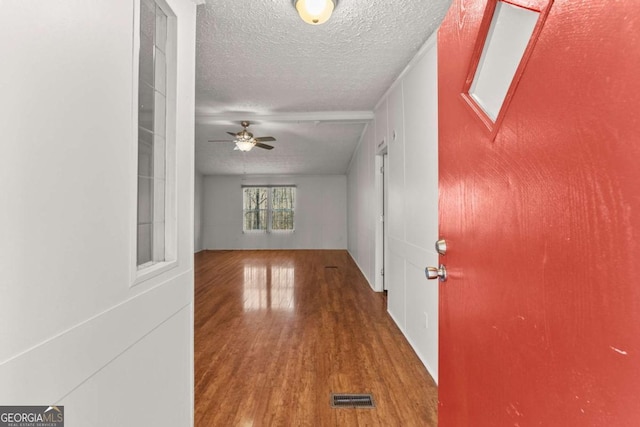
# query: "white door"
{"type": "Point", "coordinates": [78, 329]}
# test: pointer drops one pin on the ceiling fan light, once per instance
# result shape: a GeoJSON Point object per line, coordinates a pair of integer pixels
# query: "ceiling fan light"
{"type": "Point", "coordinates": [315, 12]}
{"type": "Point", "coordinates": [244, 145]}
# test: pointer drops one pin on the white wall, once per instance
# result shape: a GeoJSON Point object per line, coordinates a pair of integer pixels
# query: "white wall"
{"type": "Point", "coordinates": [320, 213]}
{"type": "Point", "coordinates": [198, 212]}
{"type": "Point", "coordinates": [407, 118]}
{"type": "Point", "coordinates": [73, 330]}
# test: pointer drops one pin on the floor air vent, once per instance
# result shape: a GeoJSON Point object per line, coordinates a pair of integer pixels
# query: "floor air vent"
{"type": "Point", "coordinates": [352, 400]}
{"type": "Point", "coordinates": [331, 266]}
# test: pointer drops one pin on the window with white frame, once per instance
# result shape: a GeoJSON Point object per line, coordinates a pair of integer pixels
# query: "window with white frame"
{"type": "Point", "coordinates": [155, 145]}
{"type": "Point", "coordinates": [268, 208]}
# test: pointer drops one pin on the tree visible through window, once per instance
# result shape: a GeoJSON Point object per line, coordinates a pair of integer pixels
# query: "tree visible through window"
{"type": "Point", "coordinates": [268, 208]}
{"type": "Point", "coordinates": [255, 208]}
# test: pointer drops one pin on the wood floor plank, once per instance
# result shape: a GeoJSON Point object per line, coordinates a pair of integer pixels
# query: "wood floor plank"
{"type": "Point", "coordinates": [276, 332]}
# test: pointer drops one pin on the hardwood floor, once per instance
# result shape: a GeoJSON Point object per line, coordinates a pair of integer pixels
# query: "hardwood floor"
{"type": "Point", "coordinates": [276, 332]}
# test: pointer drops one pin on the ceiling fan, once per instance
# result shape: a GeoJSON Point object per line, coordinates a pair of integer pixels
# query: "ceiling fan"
{"type": "Point", "coordinates": [245, 140]}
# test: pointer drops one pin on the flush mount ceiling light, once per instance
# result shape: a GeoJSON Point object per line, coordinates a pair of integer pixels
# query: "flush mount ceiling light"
{"type": "Point", "coordinates": [315, 12]}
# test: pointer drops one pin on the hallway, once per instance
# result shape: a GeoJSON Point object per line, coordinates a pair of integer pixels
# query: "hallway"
{"type": "Point", "coordinates": [276, 332]}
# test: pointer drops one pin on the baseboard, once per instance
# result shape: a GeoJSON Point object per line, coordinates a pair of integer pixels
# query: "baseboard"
{"type": "Point", "coordinates": [371, 285]}
{"type": "Point", "coordinates": [423, 359]}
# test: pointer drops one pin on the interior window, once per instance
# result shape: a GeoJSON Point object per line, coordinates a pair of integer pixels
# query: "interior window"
{"type": "Point", "coordinates": [152, 135]}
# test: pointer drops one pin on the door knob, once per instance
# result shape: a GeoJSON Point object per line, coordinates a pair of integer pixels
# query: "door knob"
{"type": "Point", "coordinates": [441, 246]}
{"type": "Point", "coordinates": [436, 273]}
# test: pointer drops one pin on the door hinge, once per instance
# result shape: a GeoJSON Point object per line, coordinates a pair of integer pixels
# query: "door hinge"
{"type": "Point", "coordinates": [382, 169]}
{"type": "Point", "coordinates": [382, 272]}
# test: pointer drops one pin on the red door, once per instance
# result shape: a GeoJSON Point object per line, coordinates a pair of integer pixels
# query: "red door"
{"type": "Point", "coordinates": [540, 316]}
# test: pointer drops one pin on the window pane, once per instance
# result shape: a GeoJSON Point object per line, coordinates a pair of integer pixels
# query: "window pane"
{"type": "Point", "coordinates": [144, 243]}
{"type": "Point", "coordinates": [508, 37]}
{"type": "Point", "coordinates": [255, 220]}
{"type": "Point", "coordinates": [255, 198]}
{"type": "Point", "coordinates": [255, 203]}
{"type": "Point", "coordinates": [160, 82]}
{"type": "Point", "coordinates": [145, 153]}
{"type": "Point", "coordinates": [154, 195]}
{"type": "Point", "coordinates": [147, 19]}
{"type": "Point", "coordinates": [283, 197]}
{"type": "Point", "coordinates": [158, 200]}
{"type": "Point", "coordinates": [159, 158]}
{"type": "Point", "coordinates": [145, 200]}
{"type": "Point", "coordinates": [158, 241]}
{"type": "Point", "coordinates": [282, 220]}
{"type": "Point", "coordinates": [145, 106]}
{"type": "Point", "coordinates": [282, 204]}
{"type": "Point", "coordinates": [161, 29]}
{"type": "Point", "coordinates": [146, 60]}
{"type": "Point", "coordinates": [160, 114]}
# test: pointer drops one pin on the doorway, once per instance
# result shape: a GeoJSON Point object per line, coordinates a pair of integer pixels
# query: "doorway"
{"type": "Point", "coordinates": [381, 185]}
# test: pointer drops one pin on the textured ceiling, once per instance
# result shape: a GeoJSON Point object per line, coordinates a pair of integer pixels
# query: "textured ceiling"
{"type": "Point", "coordinates": [257, 60]}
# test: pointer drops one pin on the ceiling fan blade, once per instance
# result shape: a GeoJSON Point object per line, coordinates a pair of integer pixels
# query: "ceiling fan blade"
{"type": "Point", "coordinates": [265, 146]}
{"type": "Point", "coordinates": [232, 134]}
{"type": "Point", "coordinates": [220, 140]}
{"type": "Point", "coordinates": [265, 139]}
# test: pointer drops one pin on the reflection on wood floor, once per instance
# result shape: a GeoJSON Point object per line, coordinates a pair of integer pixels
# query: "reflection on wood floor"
{"type": "Point", "coordinates": [276, 332]}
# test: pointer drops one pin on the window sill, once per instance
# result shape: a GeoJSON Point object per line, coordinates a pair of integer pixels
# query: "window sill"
{"type": "Point", "coordinates": [268, 231]}
{"type": "Point", "coordinates": [152, 270]}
